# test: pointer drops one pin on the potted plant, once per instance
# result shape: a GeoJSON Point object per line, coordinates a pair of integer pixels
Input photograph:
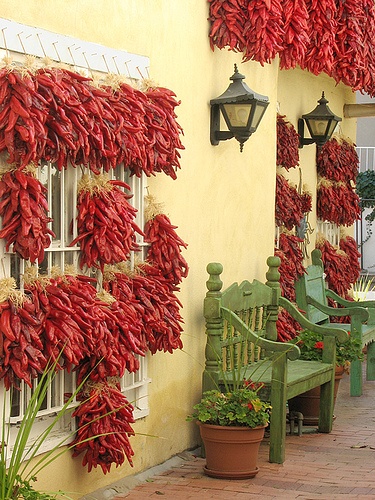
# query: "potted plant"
{"type": "Point", "coordinates": [311, 347]}
{"type": "Point", "coordinates": [232, 426]}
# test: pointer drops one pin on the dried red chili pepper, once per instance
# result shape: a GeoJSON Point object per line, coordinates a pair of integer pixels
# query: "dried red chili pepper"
{"type": "Point", "coordinates": [105, 222]}
{"type": "Point", "coordinates": [227, 24]}
{"type": "Point", "coordinates": [164, 251]}
{"type": "Point", "coordinates": [337, 202]}
{"type": "Point", "coordinates": [349, 245]}
{"type": "Point", "coordinates": [22, 350]}
{"type": "Point", "coordinates": [154, 299]}
{"type": "Point", "coordinates": [338, 160]}
{"type": "Point", "coordinates": [336, 267]}
{"type": "Point", "coordinates": [291, 267]}
{"type": "Point", "coordinates": [296, 33]}
{"type": "Point", "coordinates": [162, 134]}
{"type": "Point", "coordinates": [323, 26]}
{"type": "Point", "coordinates": [288, 207]}
{"type": "Point", "coordinates": [354, 59]}
{"type": "Point", "coordinates": [23, 208]}
{"type": "Point", "coordinates": [287, 153]}
{"type": "Point", "coordinates": [104, 426]}
{"type": "Point", "coordinates": [263, 31]}
{"type": "Point", "coordinates": [287, 327]}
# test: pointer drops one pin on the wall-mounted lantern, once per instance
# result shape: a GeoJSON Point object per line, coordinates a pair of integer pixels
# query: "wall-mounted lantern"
{"type": "Point", "coordinates": [242, 109]}
{"type": "Point", "coordinates": [321, 123]}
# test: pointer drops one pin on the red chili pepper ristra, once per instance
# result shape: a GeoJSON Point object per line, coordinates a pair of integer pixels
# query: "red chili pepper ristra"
{"type": "Point", "coordinates": [153, 298]}
{"type": "Point", "coordinates": [105, 222]}
{"type": "Point", "coordinates": [162, 134]}
{"type": "Point", "coordinates": [287, 152]}
{"type": "Point", "coordinates": [288, 207]}
{"type": "Point", "coordinates": [22, 349]}
{"type": "Point", "coordinates": [337, 202]}
{"type": "Point", "coordinates": [164, 251]}
{"type": "Point", "coordinates": [338, 266]}
{"type": "Point", "coordinates": [23, 208]}
{"type": "Point", "coordinates": [227, 24]}
{"type": "Point", "coordinates": [291, 267]}
{"type": "Point", "coordinates": [350, 58]}
{"type": "Point", "coordinates": [104, 426]}
{"type": "Point", "coordinates": [322, 22]}
{"type": "Point", "coordinates": [338, 160]}
{"type": "Point", "coordinates": [263, 31]}
{"type": "Point", "coordinates": [350, 247]}
{"type": "Point", "coordinates": [22, 116]}
{"type": "Point", "coordinates": [287, 327]}
{"type": "Point", "coordinates": [296, 33]}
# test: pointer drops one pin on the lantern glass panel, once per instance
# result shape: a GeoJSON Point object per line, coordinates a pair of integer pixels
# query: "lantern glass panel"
{"type": "Point", "coordinates": [237, 114]}
{"type": "Point", "coordinates": [258, 114]}
{"type": "Point", "coordinates": [318, 127]}
{"type": "Point", "coordinates": [331, 128]}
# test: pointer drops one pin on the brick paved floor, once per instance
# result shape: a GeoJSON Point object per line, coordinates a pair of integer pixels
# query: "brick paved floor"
{"type": "Point", "coordinates": [317, 466]}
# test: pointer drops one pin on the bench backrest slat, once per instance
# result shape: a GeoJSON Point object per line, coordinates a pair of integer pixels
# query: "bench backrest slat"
{"type": "Point", "coordinates": [312, 284]}
{"type": "Point", "coordinates": [237, 319]}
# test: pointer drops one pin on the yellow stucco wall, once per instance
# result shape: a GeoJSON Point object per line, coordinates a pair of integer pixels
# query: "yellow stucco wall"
{"type": "Point", "coordinates": [222, 201]}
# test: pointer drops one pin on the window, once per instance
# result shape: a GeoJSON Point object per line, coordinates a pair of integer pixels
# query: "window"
{"type": "Point", "coordinates": [330, 231]}
{"type": "Point", "coordinates": [62, 188]}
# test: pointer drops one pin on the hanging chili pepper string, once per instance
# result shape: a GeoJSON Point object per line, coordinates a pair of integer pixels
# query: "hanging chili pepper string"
{"type": "Point", "coordinates": [291, 267]}
{"type": "Point", "coordinates": [288, 207]}
{"type": "Point", "coordinates": [22, 349]}
{"type": "Point", "coordinates": [296, 38]}
{"type": "Point", "coordinates": [287, 153]}
{"type": "Point", "coordinates": [24, 208]}
{"type": "Point", "coordinates": [104, 426]}
{"type": "Point", "coordinates": [105, 222]}
{"type": "Point", "coordinates": [164, 251]}
{"type": "Point", "coordinates": [56, 115]}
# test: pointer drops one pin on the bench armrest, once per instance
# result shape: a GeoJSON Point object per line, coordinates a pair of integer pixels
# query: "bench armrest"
{"type": "Point", "coordinates": [349, 303]}
{"type": "Point", "coordinates": [292, 351]}
{"type": "Point", "coordinates": [360, 312]}
{"type": "Point", "coordinates": [340, 334]}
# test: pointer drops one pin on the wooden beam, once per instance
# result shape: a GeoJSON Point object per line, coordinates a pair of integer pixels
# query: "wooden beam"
{"type": "Point", "coordinates": [359, 110]}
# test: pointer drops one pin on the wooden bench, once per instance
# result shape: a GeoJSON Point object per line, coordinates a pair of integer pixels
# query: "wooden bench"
{"type": "Point", "coordinates": [242, 337]}
{"type": "Point", "coordinates": [312, 297]}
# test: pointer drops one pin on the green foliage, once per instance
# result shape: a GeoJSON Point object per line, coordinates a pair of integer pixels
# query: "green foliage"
{"type": "Point", "coordinates": [25, 491]}
{"type": "Point", "coordinates": [16, 472]}
{"type": "Point", "coordinates": [241, 407]}
{"type": "Point", "coordinates": [365, 188]}
{"type": "Point", "coordinates": [311, 346]}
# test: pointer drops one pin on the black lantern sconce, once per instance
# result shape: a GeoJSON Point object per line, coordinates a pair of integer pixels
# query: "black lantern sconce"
{"type": "Point", "coordinates": [241, 108]}
{"type": "Point", "coordinates": [321, 123]}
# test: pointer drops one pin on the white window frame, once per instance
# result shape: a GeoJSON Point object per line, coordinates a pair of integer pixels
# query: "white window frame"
{"type": "Point", "coordinates": [330, 231]}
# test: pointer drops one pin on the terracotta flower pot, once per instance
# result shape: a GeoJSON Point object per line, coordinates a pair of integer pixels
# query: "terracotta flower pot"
{"type": "Point", "coordinates": [231, 452]}
{"type": "Point", "coordinates": [308, 403]}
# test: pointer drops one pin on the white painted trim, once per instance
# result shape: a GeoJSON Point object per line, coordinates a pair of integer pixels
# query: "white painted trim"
{"type": "Point", "coordinates": [23, 39]}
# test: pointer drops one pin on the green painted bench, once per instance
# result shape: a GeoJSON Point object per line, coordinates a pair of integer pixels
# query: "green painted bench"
{"type": "Point", "coordinates": [242, 342]}
{"type": "Point", "coordinates": [312, 297]}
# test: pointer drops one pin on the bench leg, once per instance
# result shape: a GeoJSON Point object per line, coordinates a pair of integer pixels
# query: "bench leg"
{"type": "Point", "coordinates": [326, 407]}
{"type": "Point", "coordinates": [278, 414]}
{"type": "Point", "coordinates": [370, 361]}
{"type": "Point", "coordinates": [356, 378]}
